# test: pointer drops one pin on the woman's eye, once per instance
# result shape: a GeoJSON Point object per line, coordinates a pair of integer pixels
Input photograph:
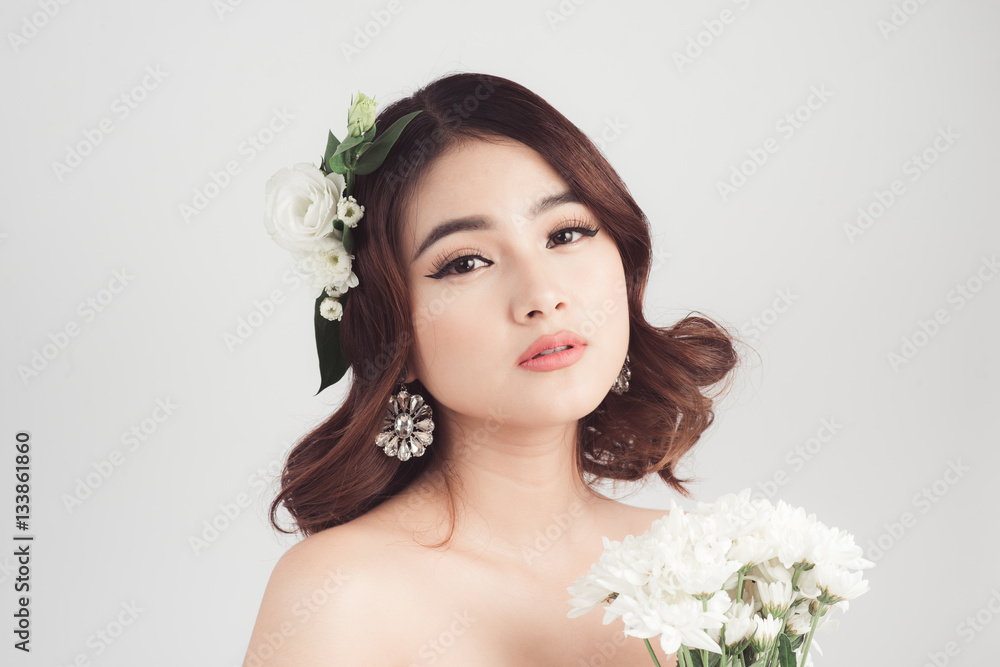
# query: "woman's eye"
{"type": "Point", "coordinates": [465, 264]}
{"type": "Point", "coordinates": [565, 234]}
{"type": "Point", "coordinates": [461, 265]}
{"type": "Point", "coordinates": [587, 231]}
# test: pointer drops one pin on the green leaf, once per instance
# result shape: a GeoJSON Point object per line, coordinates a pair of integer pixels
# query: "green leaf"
{"type": "Point", "coordinates": [348, 240]}
{"type": "Point", "coordinates": [338, 225]}
{"type": "Point", "coordinates": [786, 655]}
{"type": "Point", "coordinates": [714, 659]}
{"type": "Point", "coordinates": [349, 142]}
{"type": "Point", "coordinates": [331, 145]}
{"type": "Point", "coordinates": [337, 164]}
{"type": "Point", "coordinates": [372, 158]}
{"type": "Point", "coordinates": [333, 361]}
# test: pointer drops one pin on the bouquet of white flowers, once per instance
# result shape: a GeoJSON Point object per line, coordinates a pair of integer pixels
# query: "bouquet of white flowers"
{"type": "Point", "coordinates": [735, 583]}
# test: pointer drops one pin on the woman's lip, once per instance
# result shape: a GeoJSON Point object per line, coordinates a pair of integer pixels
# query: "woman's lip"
{"type": "Point", "coordinates": [550, 342]}
{"type": "Point", "coordinates": [551, 362]}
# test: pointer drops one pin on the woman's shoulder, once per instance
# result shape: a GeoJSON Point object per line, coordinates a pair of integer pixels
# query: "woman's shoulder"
{"type": "Point", "coordinates": [354, 556]}
{"type": "Point", "coordinates": [633, 520]}
{"type": "Point", "coordinates": [325, 593]}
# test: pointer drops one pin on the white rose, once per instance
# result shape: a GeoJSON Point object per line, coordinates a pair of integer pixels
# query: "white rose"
{"type": "Point", "coordinates": [300, 206]}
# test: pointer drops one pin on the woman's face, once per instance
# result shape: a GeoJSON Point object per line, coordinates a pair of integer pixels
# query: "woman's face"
{"type": "Point", "coordinates": [481, 297]}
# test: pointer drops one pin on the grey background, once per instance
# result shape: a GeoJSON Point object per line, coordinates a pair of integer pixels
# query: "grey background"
{"type": "Point", "coordinates": [894, 75]}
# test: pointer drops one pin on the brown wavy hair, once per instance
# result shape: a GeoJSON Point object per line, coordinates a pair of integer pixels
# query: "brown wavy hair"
{"type": "Point", "coordinates": [336, 473]}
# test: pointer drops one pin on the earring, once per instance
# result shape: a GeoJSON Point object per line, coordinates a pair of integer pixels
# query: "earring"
{"type": "Point", "coordinates": [407, 428]}
{"type": "Point", "coordinates": [621, 382]}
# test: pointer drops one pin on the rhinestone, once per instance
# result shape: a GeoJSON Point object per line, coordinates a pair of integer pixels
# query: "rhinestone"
{"type": "Point", "coordinates": [404, 425]}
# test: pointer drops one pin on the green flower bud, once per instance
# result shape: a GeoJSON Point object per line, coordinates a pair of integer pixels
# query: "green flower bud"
{"type": "Point", "coordinates": [361, 116]}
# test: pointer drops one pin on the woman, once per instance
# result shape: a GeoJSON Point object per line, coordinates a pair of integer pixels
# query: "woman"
{"type": "Point", "coordinates": [501, 266]}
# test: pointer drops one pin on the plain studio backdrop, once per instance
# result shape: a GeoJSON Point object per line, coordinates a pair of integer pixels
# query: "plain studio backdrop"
{"type": "Point", "coordinates": [819, 176]}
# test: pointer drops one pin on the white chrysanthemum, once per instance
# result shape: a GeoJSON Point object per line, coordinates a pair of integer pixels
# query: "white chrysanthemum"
{"type": "Point", "coordinates": [831, 583]}
{"type": "Point", "coordinates": [739, 624]}
{"type": "Point", "coordinates": [775, 597]}
{"type": "Point", "coordinates": [623, 568]}
{"type": "Point", "coordinates": [695, 551]}
{"type": "Point", "coordinates": [766, 630]}
{"type": "Point", "coordinates": [331, 309]}
{"type": "Point", "coordinates": [752, 549]}
{"type": "Point", "coordinates": [799, 622]}
{"type": "Point", "coordinates": [742, 519]}
{"type": "Point", "coordinates": [799, 619]}
{"type": "Point", "coordinates": [330, 265]}
{"type": "Point", "coordinates": [771, 570]}
{"type": "Point", "coordinates": [794, 533]}
{"type": "Point", "coordinates": [350, 211]}
{"type": "Point", "coordinates": [655, 583]}
{"type": "Point", "coordinates": [606, 577]}
{"type": "Point", "coordinates": [737, 514]}
{"type": "Point", "coordinates": [332, 291]}
{"type": "Point", "coordinates": [680, 619]}
{"type": "Point", "coordinates": [651, 581]}
{"type": "Point", "coordinates": [837, 547]}
{"type": "Point", "coordinates": [300, 206]}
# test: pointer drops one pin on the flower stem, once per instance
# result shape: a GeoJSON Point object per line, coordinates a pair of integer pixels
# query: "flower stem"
{"type": "Point", "coordinates": [739, 587]}
{"type": "Point", "coordinates": [651, 654]}
{"type": "Point", "coordinates": [795, 577]}
{"type": "Point", "coordinates": [704, 653]}
{"type": "Point", "coordinates": [812, 629]}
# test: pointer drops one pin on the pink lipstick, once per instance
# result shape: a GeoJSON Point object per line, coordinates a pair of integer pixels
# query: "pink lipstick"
{"type": "Point", "coordinates": [553, 351]}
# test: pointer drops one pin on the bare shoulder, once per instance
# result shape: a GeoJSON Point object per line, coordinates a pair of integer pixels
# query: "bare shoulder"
{"type": "Point", "coordinates": [323, 598]}
{"type": "Point", "coordinates": [637, 520]}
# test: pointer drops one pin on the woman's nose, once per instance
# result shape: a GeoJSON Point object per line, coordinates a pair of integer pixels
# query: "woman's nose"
{"type": "Point", "coordinates": [538, 292]}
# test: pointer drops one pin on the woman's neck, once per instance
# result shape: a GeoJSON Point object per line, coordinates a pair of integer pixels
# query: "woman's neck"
{"type": "Point", "coordinates": [516, 490]}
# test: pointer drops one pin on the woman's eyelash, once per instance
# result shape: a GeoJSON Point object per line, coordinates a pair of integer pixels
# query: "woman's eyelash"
{"type": "Point", "coordinates": [444, 264]}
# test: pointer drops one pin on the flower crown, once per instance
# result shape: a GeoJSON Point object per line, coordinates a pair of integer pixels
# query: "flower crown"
{"type": "Point", "coordinates": [310, 212]}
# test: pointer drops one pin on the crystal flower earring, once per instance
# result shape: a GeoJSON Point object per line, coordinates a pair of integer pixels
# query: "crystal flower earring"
{"type": "Point", "coordinates": [407, 428]}
{"type": "Point", "coordinates": [621, 382]}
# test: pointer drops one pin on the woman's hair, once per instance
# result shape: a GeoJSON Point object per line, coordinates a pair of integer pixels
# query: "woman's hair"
{"type": "Point", "coordinates": [337, 473]}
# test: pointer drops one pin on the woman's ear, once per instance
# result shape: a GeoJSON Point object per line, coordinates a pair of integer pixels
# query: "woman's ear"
{"type": "Point", "coordinates": [411, 368]}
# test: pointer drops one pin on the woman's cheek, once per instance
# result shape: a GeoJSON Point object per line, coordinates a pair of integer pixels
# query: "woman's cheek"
{"type": "Point", "coordinates": [441, 322]}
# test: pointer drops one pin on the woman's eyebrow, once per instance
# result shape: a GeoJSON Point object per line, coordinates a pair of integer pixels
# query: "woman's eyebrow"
{"type": "Point", "coordinates": [482, 222]}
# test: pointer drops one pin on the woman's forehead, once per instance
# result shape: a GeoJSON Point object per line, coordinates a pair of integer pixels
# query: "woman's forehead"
{"type": "Point", "coordinates": [481, 178]}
